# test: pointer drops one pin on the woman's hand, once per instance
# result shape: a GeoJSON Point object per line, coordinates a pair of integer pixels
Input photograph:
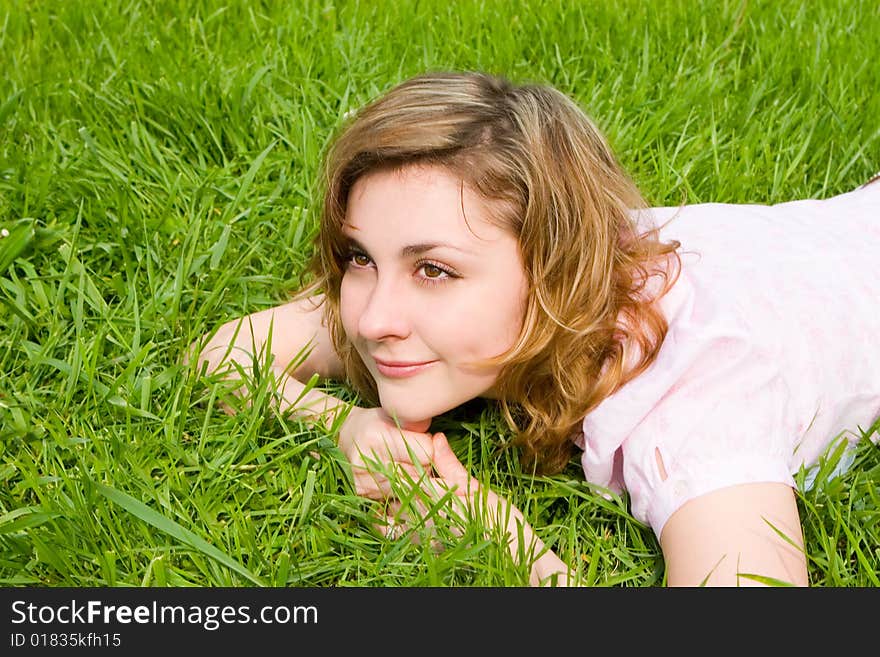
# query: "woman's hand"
{"type": "Point", "coordinates": [469, 497]}
{"type": "Point", "coordinates": [496, 512]}
{"type": "Point", "coordinates": [375, 447]}
{"type": "Point", "coordinates": [451, 483]}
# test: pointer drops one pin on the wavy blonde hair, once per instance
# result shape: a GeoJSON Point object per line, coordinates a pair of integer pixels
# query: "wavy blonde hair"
{"type": "Point", "coordinates": [589, 325]}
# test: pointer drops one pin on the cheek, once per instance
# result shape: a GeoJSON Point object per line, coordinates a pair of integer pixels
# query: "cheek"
{"type": "Point", "coordinates": [499, 323]}
{"type": "Point", "coordinates": [489, 330]}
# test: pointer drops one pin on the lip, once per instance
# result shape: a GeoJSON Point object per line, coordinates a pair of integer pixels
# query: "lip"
{"type": "Point", "coordinates": [399, 370]}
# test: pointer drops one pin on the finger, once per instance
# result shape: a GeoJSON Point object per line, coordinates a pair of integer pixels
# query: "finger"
{"type": "Point", "coordinates": [403, 447]}
{"type": "Point", "coordinates": [379, 481]}
{"type": "Point", "coordinates": [367, 484]}
{"type": "Point", "coordinates": [390, 526]}
{"type": "Point", "coordinates": [453, 511]}
{"type": "Point", "coordinates": [446, 463]}
{"type": "Point", "coordinates": [398, 519]}
{"type": "Point", "coordinates": [412, 518]}
{"type": "Point", "coordinates": [451, 516]}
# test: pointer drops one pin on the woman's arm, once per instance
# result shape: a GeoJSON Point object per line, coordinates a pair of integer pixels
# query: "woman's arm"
{"type": "Point", "coordinates": [548, 568]}
{"type": "Point", "coordinates": [292, 326]}
{"type": "Point", "coordinates": [736, 536]}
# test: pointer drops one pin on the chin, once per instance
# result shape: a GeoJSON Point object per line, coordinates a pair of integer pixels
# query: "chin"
{"type": "Point", "coordinates": [411, 414]}
{"type": "Point", "coordinates": [414, 411]}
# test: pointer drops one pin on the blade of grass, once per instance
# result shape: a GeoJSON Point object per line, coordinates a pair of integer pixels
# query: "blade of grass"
{"type": "Point", "coordinates": [157, 520]}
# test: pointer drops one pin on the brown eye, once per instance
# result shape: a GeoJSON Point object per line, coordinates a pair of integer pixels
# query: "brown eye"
{"type": "Point", "coordinates": [358, 259]}
{"type": "Point", "coordinates": [432, 274]}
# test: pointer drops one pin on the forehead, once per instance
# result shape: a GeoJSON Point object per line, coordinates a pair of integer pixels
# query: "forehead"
{"type": "Point", "coordinates": [425, 203]}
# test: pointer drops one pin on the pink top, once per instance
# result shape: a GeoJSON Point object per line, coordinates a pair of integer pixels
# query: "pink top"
{"type": "Point", "coordinates": [772, 354]}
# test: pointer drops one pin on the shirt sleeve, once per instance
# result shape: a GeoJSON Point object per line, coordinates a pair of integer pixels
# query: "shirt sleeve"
{"type": "Point", "coordinates": [723, 422]}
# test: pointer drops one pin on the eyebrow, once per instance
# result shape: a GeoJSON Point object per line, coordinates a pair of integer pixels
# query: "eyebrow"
{"type": "Point", "coordinates": [413, 249]}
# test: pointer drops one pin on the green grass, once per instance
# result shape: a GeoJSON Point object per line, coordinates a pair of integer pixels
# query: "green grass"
{"type": "Point", "coordinates": [157, 173]}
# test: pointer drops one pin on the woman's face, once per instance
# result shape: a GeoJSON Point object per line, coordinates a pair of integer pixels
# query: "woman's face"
{"type": "Point", "coordinates": [423, 296]}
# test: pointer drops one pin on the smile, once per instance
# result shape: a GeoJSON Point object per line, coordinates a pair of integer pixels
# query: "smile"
{"type": "Point", "coordinates": [401, 371]}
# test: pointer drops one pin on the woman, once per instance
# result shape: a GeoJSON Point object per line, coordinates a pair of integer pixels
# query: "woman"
{"type": "Point", "coordinates": [479, 239]}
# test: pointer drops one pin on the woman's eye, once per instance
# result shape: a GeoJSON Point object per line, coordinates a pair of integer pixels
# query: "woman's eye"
{"type": "Point", "coordinates": [433, 271]}
{"type": "Point", "coordinates": [358, 259]}
{"type": "Point", "coordinates": [432, 274]}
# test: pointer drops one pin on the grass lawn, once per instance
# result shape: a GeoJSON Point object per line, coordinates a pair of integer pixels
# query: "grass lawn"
{"type": "Point", "coordinates": [157, 176]}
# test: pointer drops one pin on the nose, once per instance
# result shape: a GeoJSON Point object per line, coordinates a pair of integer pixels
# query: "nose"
{"type": "Point", "coordinates": [384, 315]}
